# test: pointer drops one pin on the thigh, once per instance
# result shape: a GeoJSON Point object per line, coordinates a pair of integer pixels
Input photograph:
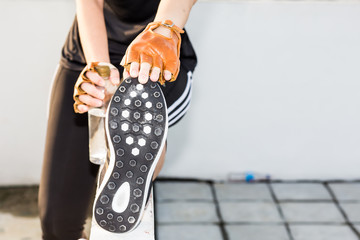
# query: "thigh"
{"type": "Point", "coordinates": [178, 95]}
{"type": "Point", "coordinates": [68, 178]}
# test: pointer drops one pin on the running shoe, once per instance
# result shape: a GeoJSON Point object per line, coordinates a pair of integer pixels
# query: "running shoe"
{"type": "Point", "coordinates": [136, 128]}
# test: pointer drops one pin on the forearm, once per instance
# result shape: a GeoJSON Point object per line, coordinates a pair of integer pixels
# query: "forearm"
{"type": "Point", "coordinates": [175, 10]}
{"type": "Point", "coordinates": [92, 30]}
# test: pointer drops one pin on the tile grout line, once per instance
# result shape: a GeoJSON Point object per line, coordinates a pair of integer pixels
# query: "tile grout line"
{"type": "Point", "coordinates": [342, 211]}
{"type": "Point", "coordinates": [221, 223]}
{"type": "Point", "coordinates": [277, 203]}
{"type": "Point", "coordinates": [218, 212]}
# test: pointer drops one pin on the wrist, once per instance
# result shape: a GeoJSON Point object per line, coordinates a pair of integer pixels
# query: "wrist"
{"type": "Point", "coordinates": [163, 31]}
{"type": "Point", "coordinates": [97, 60]}
{"type": "Point", "coordinates": [168, 29]}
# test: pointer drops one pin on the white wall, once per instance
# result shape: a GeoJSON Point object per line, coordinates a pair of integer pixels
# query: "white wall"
{"type": "Point", "coordinates": [276, 89]}
{"type": "Point", "coordinates": [32, 33]}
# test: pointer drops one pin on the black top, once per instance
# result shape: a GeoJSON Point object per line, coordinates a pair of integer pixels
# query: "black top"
{"type": "Point", "coordinates": [124, 20]}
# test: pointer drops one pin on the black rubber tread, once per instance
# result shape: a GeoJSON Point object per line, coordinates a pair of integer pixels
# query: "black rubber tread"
{"type": "Point", "coordinates": [134, 169]}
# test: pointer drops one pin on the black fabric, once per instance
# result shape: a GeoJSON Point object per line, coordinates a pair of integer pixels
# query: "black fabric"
{"type": "Point", "coordinates": [133, 11]}
{"type": "Point", "coordinates": [68, 177]}
{"type": "Point", "coordinates": [124, 21]}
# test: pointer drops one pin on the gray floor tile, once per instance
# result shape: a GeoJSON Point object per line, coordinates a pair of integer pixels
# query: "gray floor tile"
{"type": "Point", "coordinates": [322, 232]}
{"type": "Point", "coordinates": [311, 212]}
{"type": "Point", "coordinates": [184, 212]}
{"type": "Point", "coordinates": [260, 232]}
{"type": "Point", "coordinates": [183, 191]}
{"type": "Point", "coordinates": [234, 212]}
{"type": "Point", "coordinates": [352, 211]}
{"type": "Point", "coordinates": [301, 191]}
{"type": "Point", "coordinates": [189, 232]}
{"type": "Point", "coordinates": [346, 191]}
{"type": "Point", "coordinates": [242, 191]}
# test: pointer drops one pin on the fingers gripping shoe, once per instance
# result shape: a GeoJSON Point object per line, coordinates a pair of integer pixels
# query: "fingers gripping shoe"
{"type": "Point", "coordinates": [136, 128]}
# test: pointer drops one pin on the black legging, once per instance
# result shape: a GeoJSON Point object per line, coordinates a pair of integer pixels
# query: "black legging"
{"type": "Point", "coordinates": [68, 178]}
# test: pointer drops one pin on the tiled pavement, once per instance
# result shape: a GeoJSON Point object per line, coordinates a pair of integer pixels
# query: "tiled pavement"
{"type": "Point", "coordinates": [187, 210]}
{"type": "Point", "coordinates": [277, 210]}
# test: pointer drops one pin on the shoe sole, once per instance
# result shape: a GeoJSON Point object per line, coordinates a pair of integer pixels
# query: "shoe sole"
{"type": "Point", "coordinates": [136, 128]}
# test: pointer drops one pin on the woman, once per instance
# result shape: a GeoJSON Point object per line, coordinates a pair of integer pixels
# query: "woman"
{"type": "Point", "coordinates": [102, 32]}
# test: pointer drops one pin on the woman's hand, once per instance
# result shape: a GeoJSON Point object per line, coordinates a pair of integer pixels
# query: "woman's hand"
{"type": "Point", "coordinates": [89, 89]}
{"type": "Point", "coordinates": [154, 53]}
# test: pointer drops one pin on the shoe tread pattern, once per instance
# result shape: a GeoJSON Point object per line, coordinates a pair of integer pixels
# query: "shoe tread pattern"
{"type": "Point", "coordinates": [136, 138]}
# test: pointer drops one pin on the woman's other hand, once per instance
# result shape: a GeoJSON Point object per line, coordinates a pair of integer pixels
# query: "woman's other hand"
{"type": "Point", "coordinates": [89, 89]}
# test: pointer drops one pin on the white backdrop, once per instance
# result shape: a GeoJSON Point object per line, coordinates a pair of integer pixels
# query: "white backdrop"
{"type": "Point", "coordinates": [276, 90]}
